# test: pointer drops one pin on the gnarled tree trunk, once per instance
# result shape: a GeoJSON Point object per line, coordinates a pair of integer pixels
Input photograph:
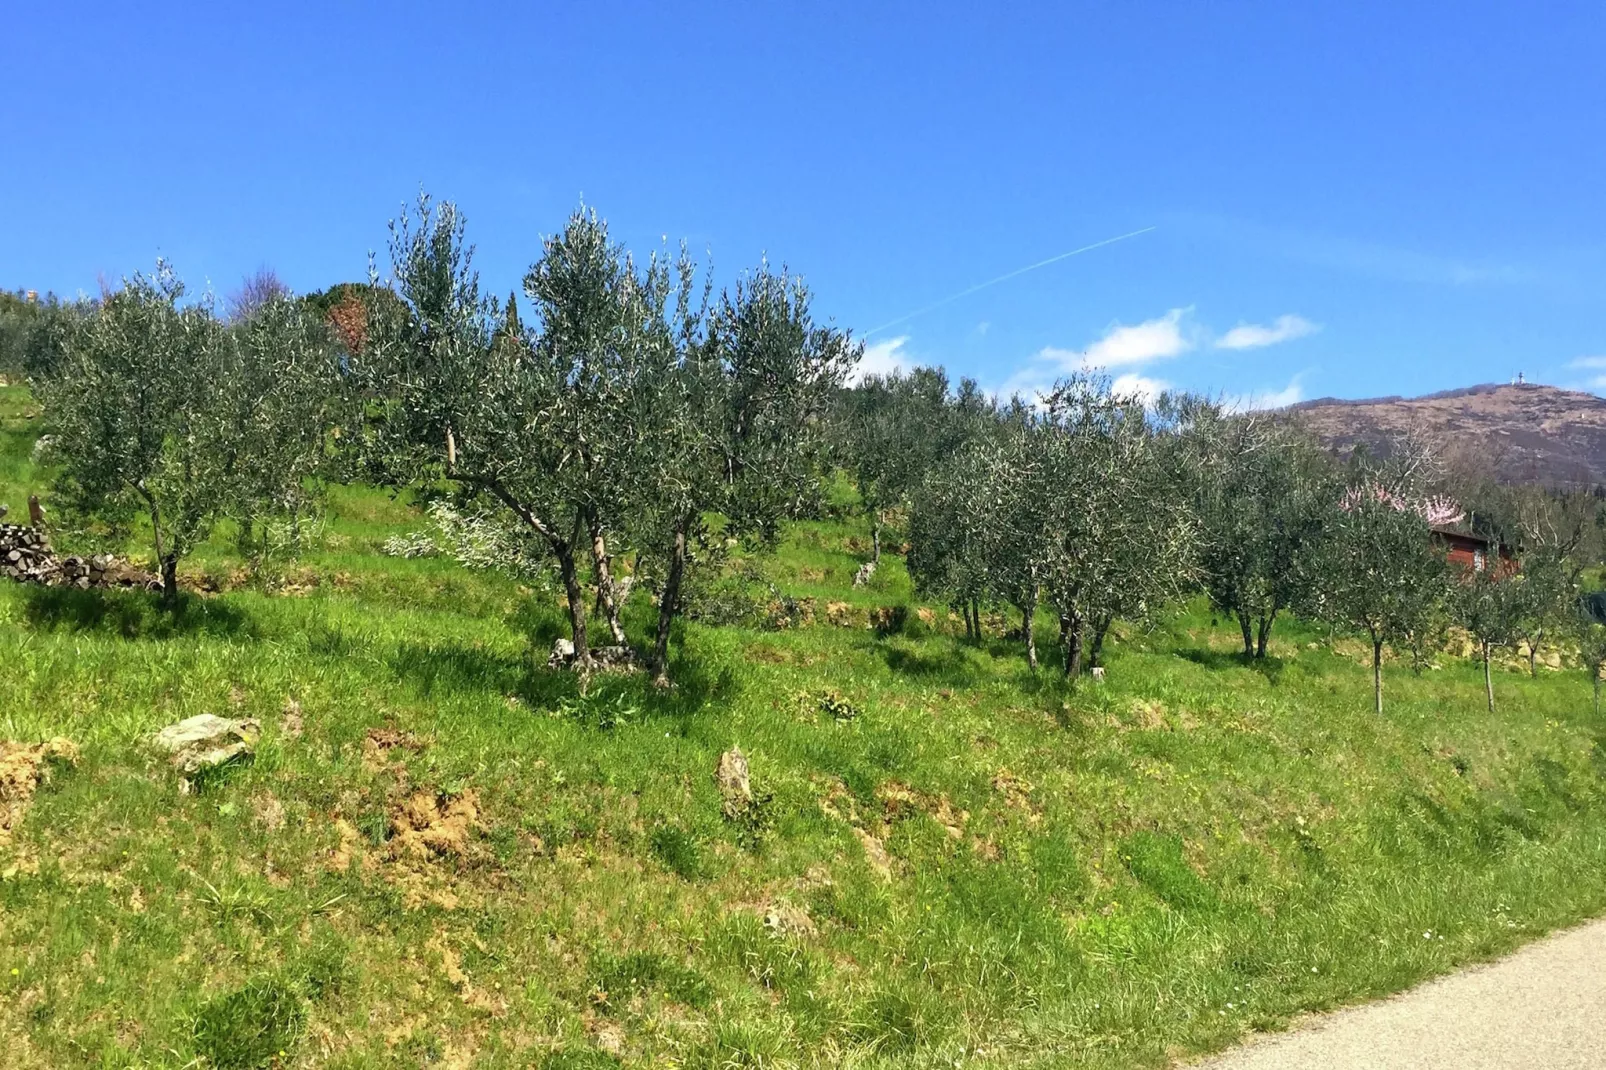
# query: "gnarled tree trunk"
{"type": "Point", "coordinates": [569, 572]}
{"type": "Point", "coordinates": [1095, 649]}
{"type": "Point", "coordinates": [602, 565]}
{"type": "Point", "coordinates": [669, 604]}
{"type": "Point", "coordinates": [1028, 621]}
{"type": "Point", "coordinates": [1263, 633]}
{"type": "Point", "coordinates": [1071, 639]}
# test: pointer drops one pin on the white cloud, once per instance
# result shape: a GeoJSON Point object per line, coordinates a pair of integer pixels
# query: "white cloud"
{"type": "Point", "coordinates": [1256, 335]}
{"type": "Point", "coordinates": [882, 358]}
{"type": "Point", "coordinates": [1124, 346]}
{"type": "Point", "coordinates": [983, 327]}
{"type": "Point", "coordinates": [1291, 394]}
{"type": "Point", "coordinates": [1588, 362]}
{"type": "Point", "coordinates": [1145, 388]}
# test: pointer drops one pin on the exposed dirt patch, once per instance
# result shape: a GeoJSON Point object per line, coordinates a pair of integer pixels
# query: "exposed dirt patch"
{"type": "Point", "coordinates": [428, 825]}
{"type": "Point", "coordinates": [836, 800]}
{"type": "Point", "coordinates": [875, 852]}
{"type": "Point", "coordinates": [350, 845]}
{"type": "Point", "coordinates": [1017, 794]}
{"type": "Point", "coordinates": [269, 811]}
{"type": "Point", "coordinates": [900, 801]}
{"type": "Point", "coordinates": [23, 767]}
{"type": "Point", "coordinates": [383, 745]}
{"type": "Point", "coordinates": [292, 722]}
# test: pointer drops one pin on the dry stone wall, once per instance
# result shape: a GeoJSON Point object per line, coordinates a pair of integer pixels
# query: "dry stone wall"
{"type": "Point", "coordinates": [26, 557]}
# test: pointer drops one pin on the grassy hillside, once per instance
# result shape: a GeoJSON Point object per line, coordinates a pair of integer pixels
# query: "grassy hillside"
{"type": "Point", "coordinates": [444, 854]}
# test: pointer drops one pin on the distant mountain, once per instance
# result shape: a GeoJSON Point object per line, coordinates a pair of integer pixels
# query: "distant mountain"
{"type": "Point", "coordinates": [1518, 433]}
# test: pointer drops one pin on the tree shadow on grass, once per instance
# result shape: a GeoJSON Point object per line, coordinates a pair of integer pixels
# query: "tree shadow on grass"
{"type": "Point", "coordinates": [446, 669]}
{"type": "Point", "coordinates": [459, 669]}
{"type": "Point", "coordinates": [1270, 666]}
{"type": "Point", "coordinates": [132, 614]}
{"type": "Point", "coordinates": [949, 665]}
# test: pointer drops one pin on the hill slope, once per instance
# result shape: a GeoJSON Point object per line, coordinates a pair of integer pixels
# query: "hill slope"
{"type": "Point", "coordinates": [1526, 433]}
{"type": "Point", "coordinates": [947, 861]}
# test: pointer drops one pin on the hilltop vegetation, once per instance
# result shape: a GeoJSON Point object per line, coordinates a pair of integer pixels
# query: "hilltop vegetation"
{"type": "Point", "coordinates": [951, 858]}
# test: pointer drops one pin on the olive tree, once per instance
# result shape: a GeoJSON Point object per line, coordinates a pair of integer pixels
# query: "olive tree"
{"type": "Point", "coordinates": [1011, 513]}
{"type": "Point", "coordinates": [276, 420]}
{"type": "Point", "coordinates": [1380, 571]}
{"type": "Point", "coordinates": [891, 430]}
{"type": "Point", "coordinates": [1543, 600]}
{"type": "Point", "coordinates": [620, 412]}
{"type": "Point", "coordinates": [1489, 604]}
{"type": "Point", "coordinates": [954, 525]}
{"type": "Point", "coordinates": [731, 414]}
{"type": "Point", "coordinates": [1118, 536]}
{"type": "Point", "coordinates": [157, 409]}
{"type": "Point", "coordinates": [1261, 489]}
{"type": "Point", "coordinates": [1589, 629]}
{"type": "Point", "coordinates": [527, 419]}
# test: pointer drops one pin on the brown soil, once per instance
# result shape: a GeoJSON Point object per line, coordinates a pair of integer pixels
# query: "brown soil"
{"type": "Point", "coordinates": [23, 767]}
{"type": "Point", "coordinates": [427, 825]}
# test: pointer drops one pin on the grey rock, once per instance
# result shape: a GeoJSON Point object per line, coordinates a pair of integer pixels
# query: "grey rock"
{"type": "Point", "coordinates": [207, 741]}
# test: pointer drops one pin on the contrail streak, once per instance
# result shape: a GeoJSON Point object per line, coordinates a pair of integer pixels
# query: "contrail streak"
{"type": "Point", "coordinates": [1003, 278]}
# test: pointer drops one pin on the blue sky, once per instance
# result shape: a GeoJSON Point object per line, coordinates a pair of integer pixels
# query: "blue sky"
{"type": "Point", "coordinates": [1349, 200]}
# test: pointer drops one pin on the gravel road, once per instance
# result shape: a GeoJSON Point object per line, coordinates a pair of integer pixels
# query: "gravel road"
{"type": "Point", "coordinates": [1545, 1006]}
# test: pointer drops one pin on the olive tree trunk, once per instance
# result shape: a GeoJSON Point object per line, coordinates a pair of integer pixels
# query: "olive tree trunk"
{"type": "Point", "coordinates": [669, 605]}
{"type": "Point", "coordinates": [1377, 673]}
{"type": "Point", "coordinates": [1028, 621]}
{"type": "Point", "coordinates": [1488, 680]}
{"type": "Point", "coordinates": [607, 599]}
{"type": "Point", "coordinates": [1071, 639]}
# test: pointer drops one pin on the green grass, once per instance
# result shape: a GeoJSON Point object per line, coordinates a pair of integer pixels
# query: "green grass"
{"type": "Point", "coordinates": [957, 862]}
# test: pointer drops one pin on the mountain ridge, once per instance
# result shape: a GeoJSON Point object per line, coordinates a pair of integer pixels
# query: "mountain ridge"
{"type": "Point", "coordinates": [1515, 432]}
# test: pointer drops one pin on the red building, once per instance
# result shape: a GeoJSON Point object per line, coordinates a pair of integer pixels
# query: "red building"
{"type": "Point", "coordinates": [1473, 551]}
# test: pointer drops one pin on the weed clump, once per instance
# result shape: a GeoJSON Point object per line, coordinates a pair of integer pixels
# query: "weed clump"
{"type": "Point", "coordinates": [250, 1026]}
{"type": "Point", "coordinates": [677, 850]}
{"type": "Point", "coordinates": [1156, 861]}
{"type": "Point", "coordinates": [840, 709]}
{"type": "Point", "coordinates": [614, 981]}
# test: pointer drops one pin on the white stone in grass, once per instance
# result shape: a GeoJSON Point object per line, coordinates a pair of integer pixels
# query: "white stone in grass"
{"type": "Point", "coordinates": [207, 741]}
{"type": "Point", "coordinates": [562, 654]}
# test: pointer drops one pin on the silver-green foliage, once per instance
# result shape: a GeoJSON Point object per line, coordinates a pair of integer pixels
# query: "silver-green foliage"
{"type": "Point", "coordinates": [1262, 490]}
{"type": "Point", "coordinates": [1489, 603]}
{"type": "Point", "coordinates": [159, 410]}
{"type": "Point", "coordinates": [1077, 503]}
{"type": "Point", "coordinates": [1380, 571]}
{"type": "Point", "coordinates": [623, 412]}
